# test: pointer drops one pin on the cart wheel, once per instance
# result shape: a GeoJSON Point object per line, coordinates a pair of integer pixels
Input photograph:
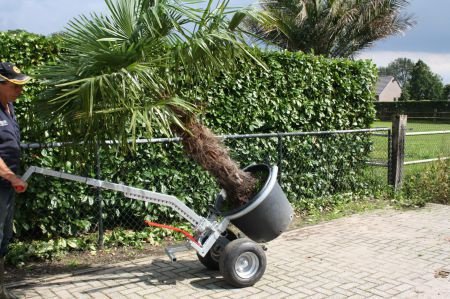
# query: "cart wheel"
{"type": "Point", "coordinates": [242, 263]}
{"type": "Point", "coordinates": [211, 259]}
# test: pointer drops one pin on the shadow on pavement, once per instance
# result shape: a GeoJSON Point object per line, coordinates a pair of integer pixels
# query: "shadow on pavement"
{"type": "Point", "coordinates": [158, 273]}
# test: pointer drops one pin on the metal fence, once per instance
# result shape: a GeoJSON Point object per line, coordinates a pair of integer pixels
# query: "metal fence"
{"type": "Point", "coordinates": [108, 210]}
{"type": "Point", "coordinates": [104, 210]}
{"type": "Point", "coordinates": [413, 144]}
{"type": "Point", "coordinates": [423, 143]}
{"type": "Point", "coordinates": [425, 149]}
{"type": "Point", "coordinates": [275, 151]}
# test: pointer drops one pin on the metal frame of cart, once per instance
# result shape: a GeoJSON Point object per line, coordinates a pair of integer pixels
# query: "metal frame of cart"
{"type": "Point", "coordinates": [241, 261]}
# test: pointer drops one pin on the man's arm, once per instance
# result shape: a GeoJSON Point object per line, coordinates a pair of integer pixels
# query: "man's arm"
{"type": "Point", "coordinates": [6, 173]}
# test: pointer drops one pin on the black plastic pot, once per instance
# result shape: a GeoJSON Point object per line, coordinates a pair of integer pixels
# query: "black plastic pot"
{"type": "Point", "coordinates": [267, 214]}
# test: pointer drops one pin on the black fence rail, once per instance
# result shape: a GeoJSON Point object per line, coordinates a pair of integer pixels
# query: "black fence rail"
{"type": "Point", "coordinates": [281, 140]}
{"type": "Point", "coordinates": [438, 111]}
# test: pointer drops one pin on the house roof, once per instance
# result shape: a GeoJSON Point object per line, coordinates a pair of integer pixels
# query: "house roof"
{"type": "Point", "coordinates": [382, 82]}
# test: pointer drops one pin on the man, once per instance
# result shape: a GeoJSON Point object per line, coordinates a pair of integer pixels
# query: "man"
{"type": "Point", "coordinates": [11, 81]}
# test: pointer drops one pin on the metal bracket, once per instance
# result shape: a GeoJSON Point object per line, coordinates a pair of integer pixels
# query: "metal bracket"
{"type": "Point", "coordinates": [171, 250]}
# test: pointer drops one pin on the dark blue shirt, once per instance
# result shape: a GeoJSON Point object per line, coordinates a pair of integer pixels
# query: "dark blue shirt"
{"type": "Point", "coordinates": [9, 141]}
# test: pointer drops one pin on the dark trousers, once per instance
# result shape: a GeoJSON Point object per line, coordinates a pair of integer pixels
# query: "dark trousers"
{"type": "Point", "coordinates": [7, 201]}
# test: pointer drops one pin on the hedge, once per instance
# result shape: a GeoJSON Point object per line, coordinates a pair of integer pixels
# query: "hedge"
{"type": "Point", "coordinates": [298, 92]}
{"type": "Point", "coordinates": [417, 109]}
{"type": "Point", "coordinates": [28, 51]}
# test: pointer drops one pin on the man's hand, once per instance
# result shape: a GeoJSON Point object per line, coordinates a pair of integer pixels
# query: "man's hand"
{"type": "Point", "coordinates": [18, 184]}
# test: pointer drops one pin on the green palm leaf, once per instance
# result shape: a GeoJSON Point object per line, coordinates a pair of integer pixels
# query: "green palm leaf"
{"type": "Point", "coordinates": [121, 74]}
{"type": "Point", "coordinates": [334, 28]}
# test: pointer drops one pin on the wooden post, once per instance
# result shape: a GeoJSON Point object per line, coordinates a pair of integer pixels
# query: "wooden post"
{"type": "Point", "coordinates": [398, 150]}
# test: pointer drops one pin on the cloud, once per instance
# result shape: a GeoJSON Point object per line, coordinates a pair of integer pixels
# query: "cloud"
{"type": "Point", "coordinates": [439, 63]}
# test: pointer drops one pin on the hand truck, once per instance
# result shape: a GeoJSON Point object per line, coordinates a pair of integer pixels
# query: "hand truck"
{"type": "Point", "coordinates": [241, 261]}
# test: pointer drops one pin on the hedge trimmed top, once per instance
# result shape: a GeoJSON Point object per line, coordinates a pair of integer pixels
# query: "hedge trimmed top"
{"type": "Point", "coordinates": [298, 92]}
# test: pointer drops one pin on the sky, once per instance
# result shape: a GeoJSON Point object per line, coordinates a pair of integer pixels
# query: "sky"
{"type": "Point", "coordinates": [428, 40]}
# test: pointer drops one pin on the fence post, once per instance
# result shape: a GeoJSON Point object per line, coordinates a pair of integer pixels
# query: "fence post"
{"type": "Point", "coordinates": [389, 152]}
{"type": "Point", "coordinates": [98, 195]}
{"type": "Point", "coordinates": [280, 157]}
{"type": "Point", "coordinates": [398, 150]}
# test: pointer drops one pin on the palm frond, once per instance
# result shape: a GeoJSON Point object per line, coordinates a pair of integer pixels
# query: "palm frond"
{"type": "Point", "coordinates": [121, 74]}
{"type": "Point", "coordinates": [335, 28]}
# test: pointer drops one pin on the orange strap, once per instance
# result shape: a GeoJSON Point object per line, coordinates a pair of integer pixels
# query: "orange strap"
{"type": "Point", "coordinates": [185, 233]}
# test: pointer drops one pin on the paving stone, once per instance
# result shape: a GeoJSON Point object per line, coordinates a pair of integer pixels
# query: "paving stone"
{"type": "Point", "coordinates": [381, 254]}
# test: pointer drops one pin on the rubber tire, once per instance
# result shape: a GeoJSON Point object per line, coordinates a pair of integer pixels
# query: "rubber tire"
{"type": "Point", "coordinates": [211, 262]}
{"type": "Point", "coordinates": [229, 257]}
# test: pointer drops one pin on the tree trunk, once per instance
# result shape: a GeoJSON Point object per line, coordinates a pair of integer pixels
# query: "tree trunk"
{"type": "Point", "coordinates": [207, 150]}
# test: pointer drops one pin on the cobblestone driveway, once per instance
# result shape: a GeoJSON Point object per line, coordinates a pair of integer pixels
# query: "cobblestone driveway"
{"type": "Point", "coordinates": [382, 254]}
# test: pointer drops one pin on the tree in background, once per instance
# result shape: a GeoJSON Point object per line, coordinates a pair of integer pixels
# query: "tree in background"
{"type": "Point", "coordinates": [424, 84]}
{"type": "Point", "coordinates": [446, 93]}
{"type": "Point", "coordinates": [124, 72]}
{"type": "Point", "coordinates": [405, 96]}
{"type": "Point", "coordinates": [417, 80]}
{"type": "Point", "coordinates": [400, 69]}
{"type": "Point", "coordinates": [333, 28]}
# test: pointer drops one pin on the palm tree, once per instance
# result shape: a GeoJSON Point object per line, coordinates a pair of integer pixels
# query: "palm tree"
{"type": "Point", "coordinates": [126, 70]}
{"type": "Point", "coordinates": [334, 28]}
